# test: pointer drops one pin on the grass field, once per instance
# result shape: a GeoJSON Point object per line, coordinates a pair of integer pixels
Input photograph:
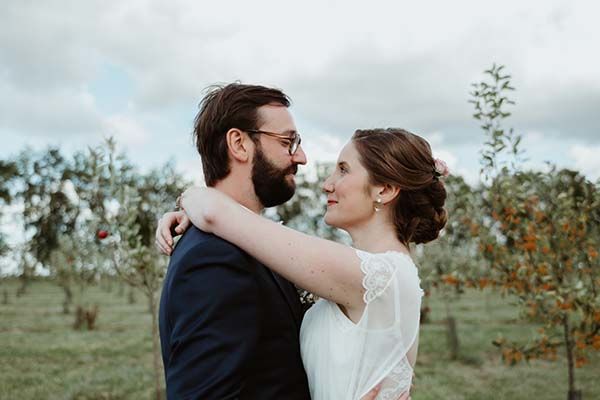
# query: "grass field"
{"type": "Point", "coordinates": [41, 357]}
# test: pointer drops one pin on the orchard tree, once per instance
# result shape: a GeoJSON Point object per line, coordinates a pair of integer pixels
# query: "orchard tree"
{"type": "Point", "coordinates": [542, 242]}
{"type": "Point", "coordinates": [58, 194]}
{"type": "Point", "coordinates": [47, 211]}
{"type": "Point", "coordinates": [452, 263]}
{"type": "Point", "coordinates": [8, 172]}
{"type": "Point", "coordinates": [126, 229]}
{"type": "Point", "coordinates": [75, 263]}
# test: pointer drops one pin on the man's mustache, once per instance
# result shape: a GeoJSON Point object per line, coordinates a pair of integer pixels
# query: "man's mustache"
{"type": "Point", "coordinates": [292, 170]}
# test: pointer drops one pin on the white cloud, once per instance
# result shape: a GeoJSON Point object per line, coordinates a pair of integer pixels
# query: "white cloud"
{"type": "Point", "coordinates": [126, 130]}
{"type": "Point", "coordinates": [586, 159]}
{"type": "Point", "coordinates": [61, 112]}
{"type": "Point", "coordinates": [191, 169]}
{"type": "Point", "coordinates": [467, 167]}
{"type": "Point", "coordinates": [346, 65]}
{"type": "Point", "coordinates": [321, 146]}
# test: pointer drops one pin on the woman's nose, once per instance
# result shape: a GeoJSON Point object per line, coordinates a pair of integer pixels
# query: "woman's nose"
{"type": "Point", "coordinates": [327, 186]}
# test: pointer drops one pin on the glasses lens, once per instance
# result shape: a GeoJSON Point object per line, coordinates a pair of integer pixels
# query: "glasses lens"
{"type": "Point", "coordinates": [294, 144]}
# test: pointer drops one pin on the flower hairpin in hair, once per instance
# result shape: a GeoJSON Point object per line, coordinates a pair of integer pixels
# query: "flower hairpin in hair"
{"type": "Point", "coordinates": [440, 169]}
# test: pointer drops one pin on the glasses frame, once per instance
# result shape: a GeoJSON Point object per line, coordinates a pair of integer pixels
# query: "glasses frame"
{"type": "Point", "coordinates": [295, 139]}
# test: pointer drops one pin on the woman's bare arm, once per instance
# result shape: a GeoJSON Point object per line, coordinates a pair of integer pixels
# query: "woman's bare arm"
{"type": "Point", "coordinates": [323, 267]}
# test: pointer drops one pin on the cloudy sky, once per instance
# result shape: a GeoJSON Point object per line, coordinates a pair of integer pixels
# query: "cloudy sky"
{"type": "Point", "coordinates": [73, 72]}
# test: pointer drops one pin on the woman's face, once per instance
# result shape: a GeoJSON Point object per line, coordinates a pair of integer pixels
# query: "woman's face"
{"type": "Point", "coordinates": [349, 198]}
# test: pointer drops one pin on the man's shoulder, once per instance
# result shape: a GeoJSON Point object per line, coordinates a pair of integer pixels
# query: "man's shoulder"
{"type": "Point", "coordinates": [197, 243]}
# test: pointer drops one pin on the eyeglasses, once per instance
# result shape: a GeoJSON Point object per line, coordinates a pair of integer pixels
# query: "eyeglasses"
{"type": "Point", "coordinates": [294, 140]}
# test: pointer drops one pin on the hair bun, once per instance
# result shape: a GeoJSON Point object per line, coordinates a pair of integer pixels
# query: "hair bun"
{"type": "Point", "coordinates": [428, 229]}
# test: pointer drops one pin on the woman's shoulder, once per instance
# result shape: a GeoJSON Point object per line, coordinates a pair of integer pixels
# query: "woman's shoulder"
{"type": "Point", "coordinates": [381, 269]}
{"type": "Point", "coordinates": [391, 258]}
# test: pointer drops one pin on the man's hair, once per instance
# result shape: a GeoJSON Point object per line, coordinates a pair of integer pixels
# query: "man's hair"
{"type": "Point", "coordinates": [225, 107]}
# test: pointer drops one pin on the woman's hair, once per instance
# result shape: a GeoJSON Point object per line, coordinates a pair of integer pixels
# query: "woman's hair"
{"type": "Point", "coordinates": [399, 158]}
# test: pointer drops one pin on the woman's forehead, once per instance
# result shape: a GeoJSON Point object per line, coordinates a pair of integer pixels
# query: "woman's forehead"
{"type": "Point", "coordinates": [348, 153]}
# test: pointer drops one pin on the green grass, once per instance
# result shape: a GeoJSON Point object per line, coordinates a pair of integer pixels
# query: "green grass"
{"type": "Point", "coordinates": [42, 357]}
{"type": "Point", "coordinates": [480, 372]}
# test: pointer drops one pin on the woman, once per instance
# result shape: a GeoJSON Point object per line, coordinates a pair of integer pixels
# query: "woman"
{"type": "Point", "coordinates": [363, 332]}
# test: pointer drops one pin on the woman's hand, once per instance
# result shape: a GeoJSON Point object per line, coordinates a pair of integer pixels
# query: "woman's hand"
{"type": "Point", "coordinates": [202, 205]}
{"type": "Point", "coordinates": [372, 395]}
{"type": "Point", "coordinates": [171, 224]}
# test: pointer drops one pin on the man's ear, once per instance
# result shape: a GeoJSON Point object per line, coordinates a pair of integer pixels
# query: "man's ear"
{"type": "Point", "coordinates": [239, 144]}
{"type": "Point", "coordinates": [388, 193]}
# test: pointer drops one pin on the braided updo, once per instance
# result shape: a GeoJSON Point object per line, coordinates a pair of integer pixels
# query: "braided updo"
{"type": "Point", "coordinates": [399, 158]}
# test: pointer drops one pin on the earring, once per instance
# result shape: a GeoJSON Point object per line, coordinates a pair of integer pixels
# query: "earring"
{"type": "Point", "coordinates": [378, 204]}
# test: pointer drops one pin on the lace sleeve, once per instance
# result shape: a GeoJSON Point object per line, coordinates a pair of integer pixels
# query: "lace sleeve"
{"type": "Point", "coordinates": [378, 274]}
{"type": "Point", "coordinates": [389, 324]}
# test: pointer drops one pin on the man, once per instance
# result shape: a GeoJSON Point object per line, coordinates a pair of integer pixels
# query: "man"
{"type": "Point", "coordinates": [229, 327]}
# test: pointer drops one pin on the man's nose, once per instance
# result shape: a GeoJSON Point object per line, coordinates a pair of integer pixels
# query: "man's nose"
{"type": "Point", "coordinates": [299, 156]}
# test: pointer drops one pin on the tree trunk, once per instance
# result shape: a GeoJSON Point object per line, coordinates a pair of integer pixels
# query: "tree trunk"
{"type": "Point", "coordinates": [24, 278]}
{"type": "Point", "coordinates": [91, 316]}
{"type": "Point", "coordinates": [68, 299]}
{"type": "Point", "coordinates": [131, 297]}
{"type": "Point", "coordinates": [5, 297]}
{"type": "Point", "coordinates": [451, 334]}
{"type": "Point", "coordinates": [155, 345]}
{"type": "Point", "coordinates": [425, 310]}
{"type": "Point", "coordinates": [572, 394]}
{"type": "Point", "coordinates": [79, 318]}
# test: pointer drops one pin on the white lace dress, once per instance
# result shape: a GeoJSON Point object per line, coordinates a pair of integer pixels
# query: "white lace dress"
{"type": "Point", "coordinates": [343, 360]}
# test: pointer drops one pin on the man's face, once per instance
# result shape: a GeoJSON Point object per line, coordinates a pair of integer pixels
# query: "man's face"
{"type": "Point", "coordinates": [273, 167]}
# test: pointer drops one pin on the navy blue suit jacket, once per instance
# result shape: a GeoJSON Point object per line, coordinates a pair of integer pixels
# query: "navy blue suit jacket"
{"type": "Point", "coordinates": [229, 327]}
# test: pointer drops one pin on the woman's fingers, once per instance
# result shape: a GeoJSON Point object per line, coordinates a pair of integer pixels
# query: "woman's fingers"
{"type": "Point", "coordinates": [372, 393]}
{"type": "Point", "coordinates": [161, 248]}
{"type": "Point", "coordinates": [164, 239]}
{"type": "Point", "coordinates": [165, 236]}
{"type": "Point", "coordinates": [184, 223]}
{"type": "Point", "coordinates": [165, 231]}
{"type": "Point", "coordinates": [375, 391]}
{"type": "Point", "coordinates": [157, 243]}
{"type": "Point", "coordinates": [171, 224]}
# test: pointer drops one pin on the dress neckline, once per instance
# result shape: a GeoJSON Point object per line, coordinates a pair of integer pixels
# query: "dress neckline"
{"type": "Point", "coordinates": [403, 254]}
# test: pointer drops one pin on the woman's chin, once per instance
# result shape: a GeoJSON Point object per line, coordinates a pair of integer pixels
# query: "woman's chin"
{"type": "Point", "coordinates": [330, 221]}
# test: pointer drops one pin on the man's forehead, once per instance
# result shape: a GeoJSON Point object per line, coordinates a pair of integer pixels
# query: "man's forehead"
{"type": "Point", "coordinates": [277, 116]}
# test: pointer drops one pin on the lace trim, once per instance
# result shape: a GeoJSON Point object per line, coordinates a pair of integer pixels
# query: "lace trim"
{"type": "Point", "coordinates": [400, 378]}
{"type": "Point", "coordinates": [378, 273]}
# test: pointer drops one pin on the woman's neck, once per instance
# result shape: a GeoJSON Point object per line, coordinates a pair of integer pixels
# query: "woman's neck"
{"type": "Point", "coordinates": [374, 236]}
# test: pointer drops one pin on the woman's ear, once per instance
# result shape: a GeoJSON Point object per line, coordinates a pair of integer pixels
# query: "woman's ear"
{"type": "Point", "coordinates": [239, 145]}
{"type": "Point", "coordinates": [388, 193]}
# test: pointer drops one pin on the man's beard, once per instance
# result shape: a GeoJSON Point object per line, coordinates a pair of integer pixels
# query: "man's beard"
{"type": "Point", "coordinates": [270, 183]}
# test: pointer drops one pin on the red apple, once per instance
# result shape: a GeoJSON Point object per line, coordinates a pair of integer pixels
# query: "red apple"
{"type": "Point", "coordinates": [102, 234]}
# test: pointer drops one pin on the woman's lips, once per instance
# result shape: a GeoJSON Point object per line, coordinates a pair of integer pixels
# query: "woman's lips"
{"type": "Point", "coordinates": [331, 202]}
